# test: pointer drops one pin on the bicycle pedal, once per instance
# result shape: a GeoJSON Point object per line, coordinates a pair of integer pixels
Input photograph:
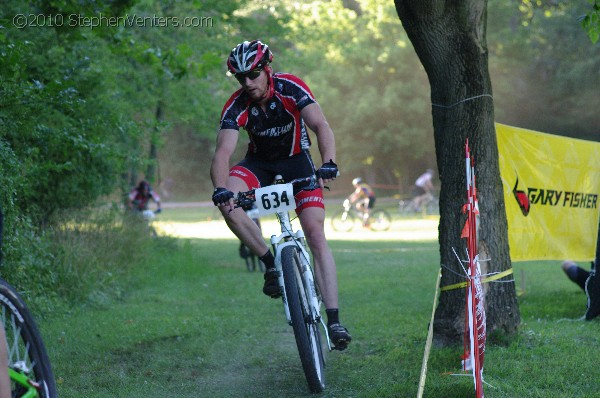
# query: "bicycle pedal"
{"type": "Point", "coordinates": [341, 345]}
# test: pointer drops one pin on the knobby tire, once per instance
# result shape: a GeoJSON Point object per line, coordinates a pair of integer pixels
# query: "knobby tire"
{"type": "Point", "coordinates": [343, 221]}
{"type": "Point", "coordinates": [308, 337]}
{"type": "Point", "coordinates": [380, 220]}
{"type": "Point", "coordinates": [26, 350]}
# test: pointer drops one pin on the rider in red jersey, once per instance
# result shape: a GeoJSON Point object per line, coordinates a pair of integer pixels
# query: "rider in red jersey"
{"type": "Point", "coordinates": [276, 109]}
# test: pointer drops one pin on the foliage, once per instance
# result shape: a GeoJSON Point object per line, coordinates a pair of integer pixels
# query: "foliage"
{"type": "Point", "coordinates": [371, 86]}
{"type": "Point", "coordinates": [591, 21]}
{"type": "Point", "coordinates": [84, 260]}
{"type": "Point", "coordinates": [57, 122]}
{"type": "Point", "coordinates": [543, 64]}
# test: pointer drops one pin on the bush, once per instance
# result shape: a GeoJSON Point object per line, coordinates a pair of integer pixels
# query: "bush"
{"type": "Point", "coordinates": [85, 258]}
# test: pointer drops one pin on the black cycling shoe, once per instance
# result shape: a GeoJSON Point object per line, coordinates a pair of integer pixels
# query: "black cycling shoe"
{"type": "Point", "coordinates": [271, 287]}
{"type": "Point", "coordinates": [339, 336]}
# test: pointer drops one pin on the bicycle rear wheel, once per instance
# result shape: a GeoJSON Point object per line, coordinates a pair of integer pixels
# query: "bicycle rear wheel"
{"type": "Point", "coordinates": [28, 362]}
{"type": "Point", "coordinates": [343, 221]}
{"type": "Point", "coordinates": [380, 220]}
{"type": "Point", "coordinates": [306, 329]}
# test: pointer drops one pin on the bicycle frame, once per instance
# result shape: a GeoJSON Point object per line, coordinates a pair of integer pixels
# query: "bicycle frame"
{"type": "Point", "coordinates": [290, 238]}
{"type": "Point", "coordinates": [24, 382]}
{"type": "Point", "coordinates": [300, 296]}
{"type": "Point", "coordinates": [358, 209]}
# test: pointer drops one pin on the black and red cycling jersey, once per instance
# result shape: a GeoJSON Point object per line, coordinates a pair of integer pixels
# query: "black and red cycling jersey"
{"type": "Point", "coordinates": [279, 132]}
{"type": "Point", "coordinates": [140, 200]}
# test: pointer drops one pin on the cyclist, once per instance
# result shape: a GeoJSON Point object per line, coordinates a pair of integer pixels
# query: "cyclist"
{"type": "Point", "coordinates": [364, 192]}
{"type": "Point", "coordinates": [276, 109]}
{"type": "Point", "coordinates": [140, 197]}
{"type": "Point", "coordinates": [423, 189]}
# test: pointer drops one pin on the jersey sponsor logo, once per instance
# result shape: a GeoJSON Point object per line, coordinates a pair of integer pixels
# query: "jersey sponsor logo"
{"type": "Point", "coordinates": [275, 131]}
{"type": "Point", "coordinates": [308, 199]}
{"type": "Point", "coordinates": [238, 171]}
{"type": "Point", "coordinates": [304, 140]}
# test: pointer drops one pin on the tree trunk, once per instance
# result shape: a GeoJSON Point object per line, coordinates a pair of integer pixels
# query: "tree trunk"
{"type": "Point", "coordinates": [151, 169]}
{"type": "Point", "coordinates": [449, 39]}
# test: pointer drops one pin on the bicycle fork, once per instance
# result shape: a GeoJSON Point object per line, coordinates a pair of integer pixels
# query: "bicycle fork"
{"type": "Point", "coordinates": [298, 240]}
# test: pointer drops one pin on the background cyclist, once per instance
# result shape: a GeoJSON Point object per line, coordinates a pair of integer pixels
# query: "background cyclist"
{"type": "Point", "coordinates": [423, 189]}
{"type": "Point", "coordinates": [276, 109]}
{"type": "Point", "coordinates": [140, 197]}
{"type": "Point", "coordinates": [363, 192]}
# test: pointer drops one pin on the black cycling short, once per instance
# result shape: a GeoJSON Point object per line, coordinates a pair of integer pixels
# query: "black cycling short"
{"type": "Point", "coordinates": [371, 202]}
{"type": "Point", "coordinates": [418, 191]}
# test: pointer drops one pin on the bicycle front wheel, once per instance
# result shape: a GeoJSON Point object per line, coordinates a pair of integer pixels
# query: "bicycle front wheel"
{"type": "Point", "coordinates": [343, 221]}
{"type": "Point", "coordinates": [306, 329]}
{"type": "Point", "coordinates": [28, 362]}
{"type": "Point", "coordinates": [380, 220]}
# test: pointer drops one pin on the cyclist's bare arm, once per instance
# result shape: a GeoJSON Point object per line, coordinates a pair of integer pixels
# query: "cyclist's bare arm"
{"type": "Point", "coordinates": [356, 195]}
{"type": "Point", "coordinates": [219, 170]}
{"type": "Point", "coordinates": [315, 119]}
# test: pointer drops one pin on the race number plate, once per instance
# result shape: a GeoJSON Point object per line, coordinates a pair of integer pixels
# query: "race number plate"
{"type": "Point", "coordinates": [275, 198]}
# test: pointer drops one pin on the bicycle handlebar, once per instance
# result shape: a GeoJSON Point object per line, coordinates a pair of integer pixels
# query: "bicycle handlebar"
{"type": "Point", "coordinates": [247, 198]}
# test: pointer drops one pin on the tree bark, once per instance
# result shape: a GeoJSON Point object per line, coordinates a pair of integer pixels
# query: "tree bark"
{"type": "Point", "coordinates": [151, 169]}
{"type": "Point", "coordinates": [449, 39]}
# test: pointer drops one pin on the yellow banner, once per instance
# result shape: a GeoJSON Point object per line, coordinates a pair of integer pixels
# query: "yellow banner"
{"type": "Point", "coordinates": [551, 187]}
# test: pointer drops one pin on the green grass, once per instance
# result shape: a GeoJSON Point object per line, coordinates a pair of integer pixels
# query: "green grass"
{"type": "Point", "coordinates": [195, 324]}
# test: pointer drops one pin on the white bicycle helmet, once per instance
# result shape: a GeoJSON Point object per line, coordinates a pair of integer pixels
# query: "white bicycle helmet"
{"type": "Point", "coordinates": [249, 55]}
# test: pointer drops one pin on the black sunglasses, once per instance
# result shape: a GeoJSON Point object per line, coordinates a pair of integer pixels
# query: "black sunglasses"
{"type": "Point", "coordinates": [253, 74]}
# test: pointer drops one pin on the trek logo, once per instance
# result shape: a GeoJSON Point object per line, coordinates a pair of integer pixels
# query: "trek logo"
{"type": "Point", "coordinates": [552, 197]}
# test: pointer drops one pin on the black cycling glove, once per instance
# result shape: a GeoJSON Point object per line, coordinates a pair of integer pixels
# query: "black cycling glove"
{"type": "Point", "coordinates": [328, 171]}
{"type": "Point", "coordinates": [221, 196]}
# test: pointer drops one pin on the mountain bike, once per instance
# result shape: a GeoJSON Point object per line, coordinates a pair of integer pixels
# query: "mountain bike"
{"type": "Point", "coordinates": [28, 363]}
{"type": "Point", "coordinates": [429, 205]}
{"type": "Point", "coordinates": [345, 220]}
{"type": "Point", "coordinates": [300, 294]}
{"type": "Point", "coordinates": [29, 367]}
{"type": "Point", "coordinates": [148, 216]}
